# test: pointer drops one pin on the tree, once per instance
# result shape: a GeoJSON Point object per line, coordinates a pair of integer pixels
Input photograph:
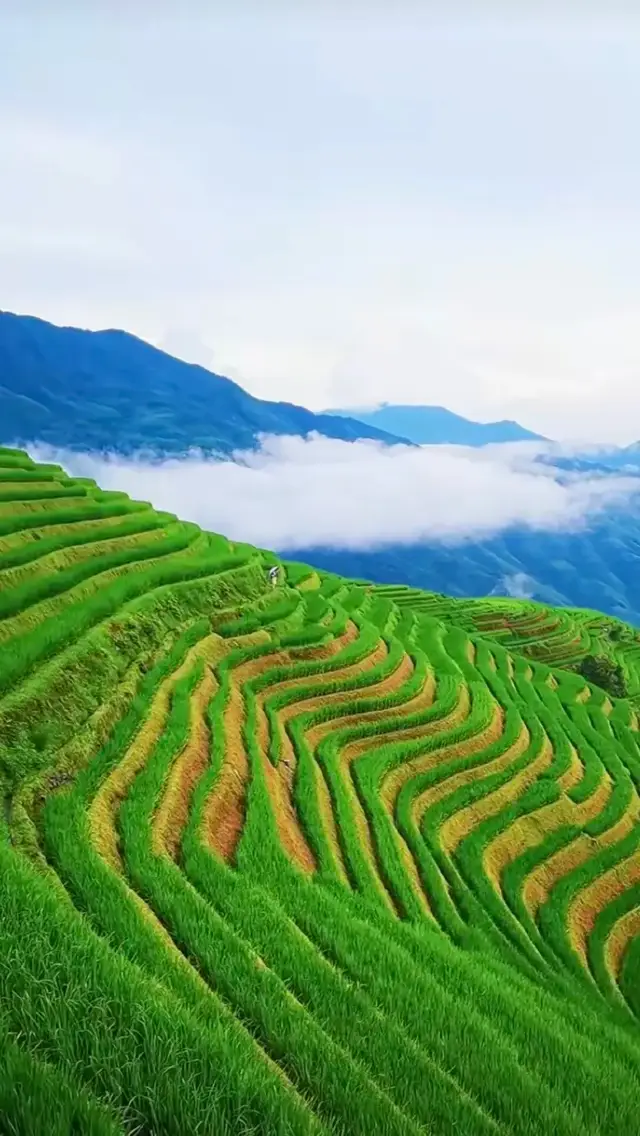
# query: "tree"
{"type": "Point", "coordinates": [618, 633]}
{"type": "Point", "coordinates": [604, 673]}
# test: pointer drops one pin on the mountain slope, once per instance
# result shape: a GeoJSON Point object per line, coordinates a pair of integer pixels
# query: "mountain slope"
{"type": "Point", "coordinates": [597, 567]}
{"type": "Point", "coordinates": [306, 858]}
{"type": "Point", "coordinates": [108, 390]}
{"type": "Point", "coordinates": [434, 425]}
{"type": "Point", "coordinates": [621, 458]}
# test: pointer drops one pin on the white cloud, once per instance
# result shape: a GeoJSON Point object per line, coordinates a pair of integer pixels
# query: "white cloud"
{"type": "Point", "coordinates": [295, 492]}
{"type": "Point", "coordinates": [518, 585]}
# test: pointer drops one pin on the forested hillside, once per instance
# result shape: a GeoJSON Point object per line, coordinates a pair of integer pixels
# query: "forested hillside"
{"type": "Point", "coordinates": [107, 390]}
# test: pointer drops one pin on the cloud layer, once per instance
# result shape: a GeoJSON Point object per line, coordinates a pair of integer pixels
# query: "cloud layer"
{"type": "Point", "coordinates": [295, 493]}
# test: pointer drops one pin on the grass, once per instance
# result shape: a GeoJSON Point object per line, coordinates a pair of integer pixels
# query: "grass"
{"type": "Point", "coordinates": [322, 857]}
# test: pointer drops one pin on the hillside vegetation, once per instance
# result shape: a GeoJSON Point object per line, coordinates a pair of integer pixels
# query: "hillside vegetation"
{"type": "Point", "coordinates": [317, 857]}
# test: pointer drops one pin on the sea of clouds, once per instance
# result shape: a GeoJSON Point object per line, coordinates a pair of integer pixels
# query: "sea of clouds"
{"type": "Point", "coordinates": [294, 492]}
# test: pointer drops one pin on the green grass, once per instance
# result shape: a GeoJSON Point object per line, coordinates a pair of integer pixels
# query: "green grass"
{"type": "Point", "coordinates": [343, 968]}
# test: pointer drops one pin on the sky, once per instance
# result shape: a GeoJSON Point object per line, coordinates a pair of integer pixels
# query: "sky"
{"type": "Point", "coordinates": [337, 205]}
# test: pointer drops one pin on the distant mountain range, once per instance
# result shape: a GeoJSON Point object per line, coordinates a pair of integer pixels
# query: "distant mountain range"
{"type": "Point", "coordinates": [107, 390]}
{"type": "Point", "coordinates": [103, 390]}
{"type": "Point", "coordinates": [598, 567]}
{"type": "Point", "coordinates": [623, 458]}
{"type": "Point", "coordinates": [434, 425]}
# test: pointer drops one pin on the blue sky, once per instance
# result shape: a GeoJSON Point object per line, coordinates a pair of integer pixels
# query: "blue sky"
{"type": "Point", "coordinates": [421, 202]}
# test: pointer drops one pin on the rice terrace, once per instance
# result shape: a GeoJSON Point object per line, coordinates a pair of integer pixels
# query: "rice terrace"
{"type": "Point", "coordinates": [288, 853]}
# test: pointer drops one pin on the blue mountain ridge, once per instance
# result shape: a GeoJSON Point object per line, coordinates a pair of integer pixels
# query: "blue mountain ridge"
{"type": "Point", "coordinates": [435, 425]}
{"type": "Point", "coordinates": [595, 567]}
{"type": "Point", "coordinates": [108, 390]}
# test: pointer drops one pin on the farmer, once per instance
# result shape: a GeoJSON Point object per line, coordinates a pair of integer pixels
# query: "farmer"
{"type": "Point", "coordinates": [273, 575]}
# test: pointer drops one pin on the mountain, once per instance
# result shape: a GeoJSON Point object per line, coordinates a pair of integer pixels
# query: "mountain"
{"type": "Point", "coordinates": [597, 567]}
{"type": "Point", "coordinates": [303, 856]}
{"type": "Point", "coordinates": [596, 460]}
{"type": "Point", "coordinates": [434, 425]}
{"type": "Point", "coordinates": [622, 458]}
{"type": "Point", "coordinates": [104, 390]}
{"type": "Point", "coordinates": [111, 391]}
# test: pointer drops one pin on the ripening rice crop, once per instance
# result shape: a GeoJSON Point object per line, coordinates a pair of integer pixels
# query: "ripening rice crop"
{"type": "Point", "coordinates": [318, 857]}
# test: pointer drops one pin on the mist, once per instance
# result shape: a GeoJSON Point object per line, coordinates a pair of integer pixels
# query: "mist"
{"type": "Point", "coordinates": [294, 492]}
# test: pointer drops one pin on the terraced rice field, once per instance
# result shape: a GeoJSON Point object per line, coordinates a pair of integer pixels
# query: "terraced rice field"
{"type": "Point", "coordinates": [559, 637]}
{"type": "Point", "coordinates": [312, 858]}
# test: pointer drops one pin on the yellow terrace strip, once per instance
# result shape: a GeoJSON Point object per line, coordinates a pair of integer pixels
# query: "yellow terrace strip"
{"type": "Point", "coordinates": [624, 930]}
{"type": "Point", "coordinates": [477, 772]}
{"type": "Point", "coordinates": [530, 830]}
{"type": "Point", "coordinates": [72, 529]}
{"type": "Point", "coordinates": [393, 714]}
{"type": "Point", "coordinates": [316, 733]}
{"type": "Point", "coordinates": [356, 749]}
{"type": "Point", "coordinates": [310, 584]}
{"type": "Point", "coordinates": [44, 506]}
{"type": "Point", "coordinates": [104, 806]}
{"type": "Point", "coordinates": [546, 875]}
{"type": "Point", "coordinates": [462, 823]}
{"type": "Point", "coordinates": [390, 716]}
{"type": "Point", "coordinates": [327, 678]}
{"type": "Point", "coordinates": [287, 763]}
{"type": "Point", "coordinates": [348, 755]}
{"type": "Point", "coordinates": [590, 901]}
{"type": "Point", "coordinates": [385, 686]}
{"type": "Point", "coordinates": [46, 609]}
{"type": "Point", "coordinates": [74, 554]}
{"type": "Point", "coordinates": [281, 780]}
{"type": "Point", "coordinates": [223, 814]}
{"type": "Point", "coordinates": [422, 700]}
{"type": "Point", "coordinates": [574, 774]}
{"type": "Point", "coordinates": [396, 778]}
{"type": "Point", "coordinates": [465, 748]}
{"type": "Point", "coordinates": [291, 684]}
{"type": "Point", "coordinates": [172, 813]}
{"type": "Point", "coordinates": [224, 811]}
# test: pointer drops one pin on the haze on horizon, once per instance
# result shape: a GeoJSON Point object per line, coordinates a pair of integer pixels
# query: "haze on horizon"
{"type": "Point", "coordinates": [437, 203]}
